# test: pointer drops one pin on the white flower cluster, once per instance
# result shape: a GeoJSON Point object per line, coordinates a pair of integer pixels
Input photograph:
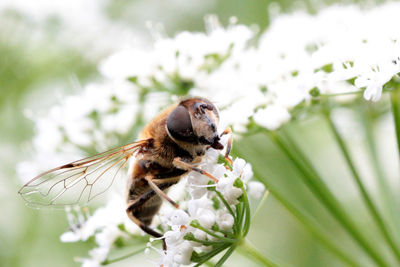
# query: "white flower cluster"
{"type": "Point", "coordinates": [104, 225]}
{"type": "Point", "coordinates": [200, 64]}
{"type": "Point", "coordinates": [335, 46]}
{"type": "Point", "coordinates": [86, 123]}
{"type": "Point", "coordinates": [206, 209]}
{"type": "Point", "coordinates": [109, 223]}
{"type": "Point", "coordinates": [75, 23]}
{"type": "Point", "coordinates": [339, 50]}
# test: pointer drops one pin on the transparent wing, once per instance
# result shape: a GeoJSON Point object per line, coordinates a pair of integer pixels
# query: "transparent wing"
{"type": "Point", "coordinates": [80, 181]}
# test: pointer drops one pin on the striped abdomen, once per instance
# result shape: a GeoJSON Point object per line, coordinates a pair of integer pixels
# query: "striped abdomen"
{"type": "Point", "coordinates": [144, 201]}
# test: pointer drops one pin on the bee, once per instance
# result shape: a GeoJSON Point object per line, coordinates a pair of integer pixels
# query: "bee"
{"type": "Point", "coordinates": [169, 147]}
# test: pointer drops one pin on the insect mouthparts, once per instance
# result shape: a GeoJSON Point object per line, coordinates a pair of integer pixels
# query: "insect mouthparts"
{"type": "Point", "coordinates": [216, 144]}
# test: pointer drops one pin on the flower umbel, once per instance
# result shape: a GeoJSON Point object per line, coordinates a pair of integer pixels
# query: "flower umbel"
{"type": "Point", "coordinates": [215, 222]}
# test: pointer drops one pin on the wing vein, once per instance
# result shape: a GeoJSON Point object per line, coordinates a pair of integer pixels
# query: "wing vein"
{"type": "Point", "coordinates": [61, 184]}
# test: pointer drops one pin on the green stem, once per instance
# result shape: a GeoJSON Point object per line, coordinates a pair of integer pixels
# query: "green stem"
{"type": "Point", "coordinates": [394, 99]}
{"type": "Point", "coordinates": [247, 215]}
{"type": "Point", "coordinates": [223, 259]}
{"type": "Point", "coordinates": [381, 181]}
{"type": "Point", "coordinates": [242, 216]}
{"type": "Point", "coordinates": [341, 94]}
{"type": "Point", "coordinates": [208, 242]}
{"type": "Point", "coordinates": [310, 224]}
{"type": "Point", "coordinates": [368, 201]}
{"type": "Point", "coordinates": [228, 207]}
{"type": "Point", "coordinates": [384, 188]}
{"type": "Point", "coordinates": [303, 159]}
{"type": "Point", "coordinates": [108, 261]}
{"type": "Point", "coordinates": [261, 204]}
{"type": "Point", "coordinates": [238, 219]}
{"type": "Point", "coordinates": [214, 234]}
{"type": "Point", "coordinates": [252, 253]}
{"type": "Point", "coordinates": [226, 233]}
{"type": "Point", "coordinates": [211, 254]}
{"type": "Point", "coordinates": [320, 190]}
{"type": "Point", "coordinates": [346, 93]}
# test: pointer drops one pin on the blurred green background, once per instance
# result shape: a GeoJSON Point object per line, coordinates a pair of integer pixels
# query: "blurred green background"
{"type": "Point", "coordinates": [38, 66]}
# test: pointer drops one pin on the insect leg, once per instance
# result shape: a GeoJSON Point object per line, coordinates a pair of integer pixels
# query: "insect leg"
{"type": "Point", "coordinates": [229, 145]}
{"type": "Point", "coordinates": [137, 204]}
{"type": "Point", "coordinates": [159, 181]}
{"type": "Point", "coordinates": [183, 165]}
{"type": "Point", "coordinates": [159, 191]}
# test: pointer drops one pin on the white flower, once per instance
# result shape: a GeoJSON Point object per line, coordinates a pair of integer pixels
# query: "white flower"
{"type": "Point", "coordinates": [173, 238]}
{"type": "Point", "coordinates": [183, 253]}
{"type": "Point", "coordinates": [179, 250]}
{"type": "Point", "coordinates": [106, 237]}
{"type": "Point", "coordinates": [167, 260]}
{"type": "Point", "coordinates": [78, 227]}
{"type": "Point", "coordinates": [177, 255]}
{"type": "Point", "coordinates": [202, 209]}
{"type": "Point", "coordinates": [128, 63]}
{"type": "Point", "coordinates": [225, 220]}
{"type": "Point", "coordinates": [197, 183]}
{"type": "Point", "coordinates": [206, 217]}
{"type": "Point", "coordinates": [272, 117]}
{"type": "Point", "coordinates": [90, 263]}
{"type": "Point", "coordinates": [71, 237]}
{"type": "Point", "coordinates": [242, 169]}
{"type": "Point", "coordinates": [256, 189]}
{"type": "Point", "coordinates": [228, 190]}
{"type": "Point", "coordinates": [238, 166]}
{"type": "Point", "coordinates": [179, 217]}
{"type": "Point", "coordinates": [374, 80]}
{"type": "Point", "coordinates": [98, 255]}
{"type": "Point", "coordinates": [195, 204]}
{"type": "Point", "coordinates": [199, 234]}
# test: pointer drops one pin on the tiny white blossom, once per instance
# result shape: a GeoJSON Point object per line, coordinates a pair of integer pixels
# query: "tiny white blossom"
{"type": "Point", "coordinates": [374, 80]}
{"type": "Point", "coordinates": [70, 237]}
{"type": "Point", "coordinates": [183, 253]}
{"type": "Point", "coordinates": [199, 234]}
{"type": "Point", "coordinates": [78, 227]}
{"type": "Point", "coordinates": [195, 204]}
{"type": "Point", "coordinates": [228, 190]}
{"type": "Point", "coordinates": [272, 117]}
{"type": "Point", "coordinates": [225, 221]}
{"type": "Point", "coordinates": [206, 217]}
{"type": "Point", "coordinates": [98, 255]}
{"type": "Point", "coordinates": [173, 238]}
{"type": "Point", "coordinates": [256, 189]}
{"type": "Point", "coordinates": [90, 263]}
{"type": "Point", "coordinates": [107, 236]}
{"type": "Point", "coordinates": [238, 166]}
{"type": "Point", "coordinates": [179, 217]}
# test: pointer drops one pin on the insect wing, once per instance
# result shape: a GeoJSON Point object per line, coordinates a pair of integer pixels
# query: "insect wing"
{"type": "Point", "coordinates": [80, 181]}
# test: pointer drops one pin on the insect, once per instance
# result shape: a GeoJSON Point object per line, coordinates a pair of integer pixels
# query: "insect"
{"type": "Point", "coordinates": [168, 148]}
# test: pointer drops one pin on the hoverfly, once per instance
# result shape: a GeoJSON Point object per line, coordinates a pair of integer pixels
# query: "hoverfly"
{"type": "Point", "coordinates": [167, 149]}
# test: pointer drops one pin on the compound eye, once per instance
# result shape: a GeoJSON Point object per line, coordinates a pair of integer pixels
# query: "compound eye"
{"type": "Point", "coordinates": [179, 125]}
